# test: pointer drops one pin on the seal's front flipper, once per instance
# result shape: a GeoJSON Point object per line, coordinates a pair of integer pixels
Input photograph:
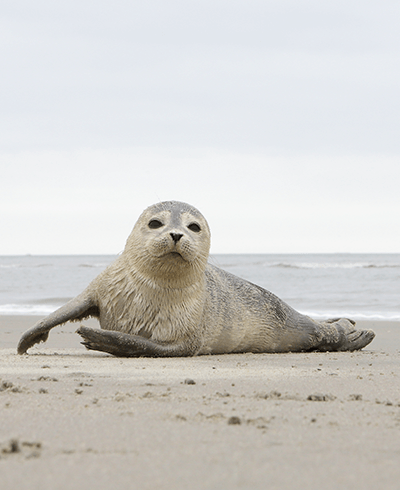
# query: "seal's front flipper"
{"type": "Point", "coordinates": [80, 307]}
{"type": "Point", "coordinates": [33, 336]}
{"type": "Point", "coordinates": [126, 345]}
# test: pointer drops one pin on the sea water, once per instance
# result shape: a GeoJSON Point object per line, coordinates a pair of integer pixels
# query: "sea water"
{"type": "Point", "coordinates": [358, 286]}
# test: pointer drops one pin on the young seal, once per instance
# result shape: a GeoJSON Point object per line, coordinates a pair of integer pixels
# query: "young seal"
{"type": "Point", "coordinates": [161, 298]}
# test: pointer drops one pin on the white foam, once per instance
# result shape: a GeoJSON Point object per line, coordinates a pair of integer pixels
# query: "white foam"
{"type": "Point", "coordinates": [15, 309]}
{"type": "Point", "coordinates": [367, 316]}
{"type": "Point", "coordinates": [46, 309]}
{"type": "Point", "coordinates": [329, 265]}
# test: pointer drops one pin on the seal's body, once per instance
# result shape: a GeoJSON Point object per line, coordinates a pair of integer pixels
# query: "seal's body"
{"type": "Point", "coordinates": [161, 298]}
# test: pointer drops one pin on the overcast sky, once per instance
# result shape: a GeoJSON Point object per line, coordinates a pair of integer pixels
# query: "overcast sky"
{"type": "Point", "coordinates": [279, 120]}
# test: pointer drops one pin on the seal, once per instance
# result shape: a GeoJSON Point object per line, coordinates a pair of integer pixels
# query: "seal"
{"type": "Point", "coordinates": [161, 297]}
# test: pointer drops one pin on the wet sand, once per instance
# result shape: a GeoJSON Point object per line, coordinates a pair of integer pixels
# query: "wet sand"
{"type": "Point", "coordinates": [75, 419]}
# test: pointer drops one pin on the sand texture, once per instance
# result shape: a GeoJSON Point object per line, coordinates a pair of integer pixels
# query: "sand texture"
{"type": "Point", "coordinates": [74, 419]}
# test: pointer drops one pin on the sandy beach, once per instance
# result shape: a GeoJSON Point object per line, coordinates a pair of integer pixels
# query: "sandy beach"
{"type": "Point", "coordinates": [75, 419]}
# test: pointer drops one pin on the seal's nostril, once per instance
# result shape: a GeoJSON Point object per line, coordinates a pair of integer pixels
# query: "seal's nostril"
{"type": "Point", "coordinates": [176, 237]}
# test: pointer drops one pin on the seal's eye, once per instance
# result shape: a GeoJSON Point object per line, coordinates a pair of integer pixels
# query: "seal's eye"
{"type": "Point", "coordinates": [155, 223]}
{"type": "Point", "coordinates": [194, 227]}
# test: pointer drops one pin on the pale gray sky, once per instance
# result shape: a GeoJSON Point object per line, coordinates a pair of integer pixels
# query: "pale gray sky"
{"type": "Point", "coordinates": [279, 120]}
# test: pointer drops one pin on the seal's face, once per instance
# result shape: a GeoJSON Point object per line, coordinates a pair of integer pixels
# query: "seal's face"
{"type": "Point", "coordinates": [170, 241]}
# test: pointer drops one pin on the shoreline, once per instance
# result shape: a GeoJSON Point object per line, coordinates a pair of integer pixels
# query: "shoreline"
{"type": "Point", "coordinates": [76, 419]}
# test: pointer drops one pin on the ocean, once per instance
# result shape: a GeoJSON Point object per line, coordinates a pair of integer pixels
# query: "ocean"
{"type": "Point", "coordinates": [358, 286]}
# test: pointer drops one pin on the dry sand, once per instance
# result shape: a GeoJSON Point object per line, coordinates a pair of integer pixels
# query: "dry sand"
{"type": "Point", "coordinates": [73, 419]}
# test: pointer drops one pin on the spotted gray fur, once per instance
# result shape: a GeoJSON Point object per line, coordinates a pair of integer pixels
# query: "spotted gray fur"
{"type": "Point", "coordinates": [161, 298]}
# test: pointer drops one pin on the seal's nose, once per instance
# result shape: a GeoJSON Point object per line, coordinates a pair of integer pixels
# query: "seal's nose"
{"type": "Point", "coordinates": [176, 237]}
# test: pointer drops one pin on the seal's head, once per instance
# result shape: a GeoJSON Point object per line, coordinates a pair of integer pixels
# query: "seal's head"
{"type": "Point", "coordinates": [169, 244]}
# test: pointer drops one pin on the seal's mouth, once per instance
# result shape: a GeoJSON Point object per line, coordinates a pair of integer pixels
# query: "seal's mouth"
{"type": "Point", "coordinates": [176, 254]}
{"type": "Point", "coordinates": [175, 257]}
{"type": "Point", "coordinates": [171, 255]}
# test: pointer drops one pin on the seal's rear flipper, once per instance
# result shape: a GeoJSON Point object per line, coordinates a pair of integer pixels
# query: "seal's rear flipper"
{"type": "Point", "coordinates": [357, 340]}
{"type": "Point", "coordinates": [334, 320]}
{"type": "Point", "coordinates": [341, 335]}
{"type": "Point", "coordinates": [78, 308]}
